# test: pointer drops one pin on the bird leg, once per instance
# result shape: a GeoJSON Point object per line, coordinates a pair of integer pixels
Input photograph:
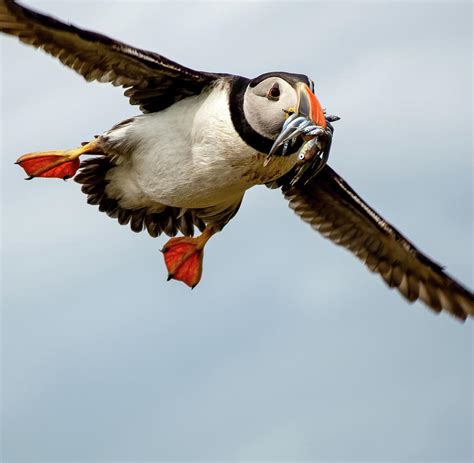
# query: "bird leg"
{"type": "Point", "coordinates": [57, 163]}
{"type": "Point", "coordinates": [183, 257]}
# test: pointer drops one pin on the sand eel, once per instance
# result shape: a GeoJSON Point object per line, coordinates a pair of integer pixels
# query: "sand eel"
{"type": "Point", "coordinates": [203, 140]}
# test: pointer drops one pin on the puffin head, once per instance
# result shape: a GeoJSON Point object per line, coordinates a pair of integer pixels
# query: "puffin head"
{"type": "Point", "coordinates": [270, 97]}
{"type": "Point", "coordinates": [260, 107]}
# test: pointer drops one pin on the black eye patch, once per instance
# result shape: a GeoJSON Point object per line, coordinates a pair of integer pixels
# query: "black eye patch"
{"type": "Point", "coordinates": [274, 92]}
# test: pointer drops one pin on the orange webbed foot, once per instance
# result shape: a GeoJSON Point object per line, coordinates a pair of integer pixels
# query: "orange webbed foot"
{"type": "Point", "coordinates": [50, 164]}
{"type": "Point", "coordinates": [183, 258]}
{"type": "Point", "coordinates": [56, 163]}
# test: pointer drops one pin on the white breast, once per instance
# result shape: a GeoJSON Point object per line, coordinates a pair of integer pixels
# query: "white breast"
{"type": "Point", "coordinates": [188, 155]}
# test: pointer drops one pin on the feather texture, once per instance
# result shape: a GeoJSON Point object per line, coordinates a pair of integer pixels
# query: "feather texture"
{"type": "Point", "coordinates": [152, 81]}
{"type": "Point", "coordinates": [333, 208]}
{"type": "Point", "coordinates": [92, 177]}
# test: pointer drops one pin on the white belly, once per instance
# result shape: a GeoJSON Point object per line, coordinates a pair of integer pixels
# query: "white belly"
{"type": "Point", "coordinates": [188, 155]}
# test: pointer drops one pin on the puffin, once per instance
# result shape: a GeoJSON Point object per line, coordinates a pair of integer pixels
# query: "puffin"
{"type": "Point", "coordinates": [201, 141]}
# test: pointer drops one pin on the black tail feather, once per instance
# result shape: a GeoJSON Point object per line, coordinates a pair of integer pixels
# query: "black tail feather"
{"type": "Point", "coordinates": [92, 177]}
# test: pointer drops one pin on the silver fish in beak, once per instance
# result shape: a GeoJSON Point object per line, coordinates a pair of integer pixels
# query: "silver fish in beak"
{"type": "Point", "coordinates": [310, 122]}
{"type": "Point", "coordinates": [307, 120]}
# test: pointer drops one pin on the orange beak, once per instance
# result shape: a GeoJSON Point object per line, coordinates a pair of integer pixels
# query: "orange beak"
{"type": "Point", "coordinates": [307, 118]}
{"type": "Point", "coordinates": [309, 106]}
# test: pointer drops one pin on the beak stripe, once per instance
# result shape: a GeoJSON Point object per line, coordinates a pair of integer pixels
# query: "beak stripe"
{"type": "Point", "coordinates": [316, 112]}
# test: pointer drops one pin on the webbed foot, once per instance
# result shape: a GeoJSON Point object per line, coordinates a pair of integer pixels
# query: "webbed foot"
{"type": "Point", "coordinates": [183, 257]}
{"type": "Point", "coordinates": [55, 164]}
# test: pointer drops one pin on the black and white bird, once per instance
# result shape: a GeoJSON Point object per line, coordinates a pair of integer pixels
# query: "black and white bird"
{"type": "Point", "coordinates": [203, 140]}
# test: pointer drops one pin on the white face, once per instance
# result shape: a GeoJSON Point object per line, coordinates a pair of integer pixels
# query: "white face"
{"type": "Point", "coordinates": [266, 103]}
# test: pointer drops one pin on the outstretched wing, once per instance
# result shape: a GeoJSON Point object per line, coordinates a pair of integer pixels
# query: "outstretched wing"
{"type": "Point", "coordinates": [333, 208]}
{"type": "Point", "coordinates": [152, 81]}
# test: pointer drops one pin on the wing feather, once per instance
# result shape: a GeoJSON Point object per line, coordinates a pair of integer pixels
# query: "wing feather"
{"type": "Point", "coordinates": [333, 208]}
{"type": "Point", "coordinates": [152, 81]}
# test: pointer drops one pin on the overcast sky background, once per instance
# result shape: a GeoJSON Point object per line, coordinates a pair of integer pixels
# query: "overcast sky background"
{"type": "Point", "coordinates": [289, 349]}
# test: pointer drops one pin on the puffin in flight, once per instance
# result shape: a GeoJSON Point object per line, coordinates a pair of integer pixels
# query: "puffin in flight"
{"type": "Point", "coordinates": [203, 140]}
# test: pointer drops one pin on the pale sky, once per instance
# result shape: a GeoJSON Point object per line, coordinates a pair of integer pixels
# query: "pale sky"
{"type": "Point", "coordinates": [289, 349]}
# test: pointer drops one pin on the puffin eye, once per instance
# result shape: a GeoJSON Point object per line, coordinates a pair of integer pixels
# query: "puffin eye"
{"type": "Point", "coordinates": [274, 92]}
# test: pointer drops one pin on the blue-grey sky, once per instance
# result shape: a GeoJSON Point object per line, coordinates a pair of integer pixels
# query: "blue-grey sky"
{"type": "Point", "coordinates": [289, 349]}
